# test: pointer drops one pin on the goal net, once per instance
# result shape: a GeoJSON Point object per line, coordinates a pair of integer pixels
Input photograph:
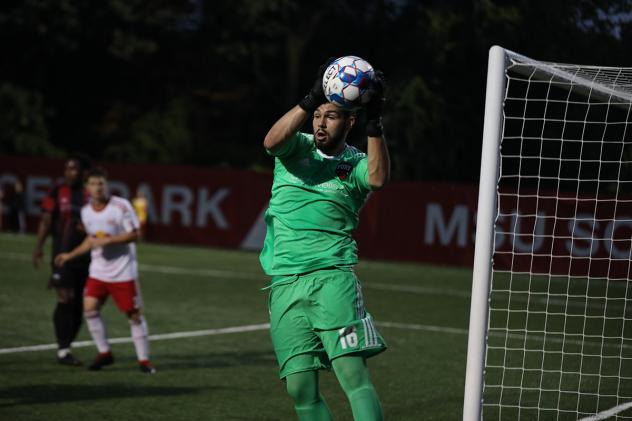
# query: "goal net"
{"type": "Point", "coordinates": [551, 317]}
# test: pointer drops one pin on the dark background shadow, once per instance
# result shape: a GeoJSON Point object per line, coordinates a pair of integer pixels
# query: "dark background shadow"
{"type": "Point", "coordinates": [56, 393]}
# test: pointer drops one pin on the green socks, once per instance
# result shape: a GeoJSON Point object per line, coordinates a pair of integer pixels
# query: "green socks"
{"type": "Point", "coordinates": [353, 376]}
{"type": "Point", "coordinates": [365, 404]}
{"type": "Point", "coordinates": [317, 411]}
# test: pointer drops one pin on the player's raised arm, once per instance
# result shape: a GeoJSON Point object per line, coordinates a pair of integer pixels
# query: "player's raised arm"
{"type": "Point", "coordinates": [379, 163]}
{"type": "Point", "coordinates": [292, 121]}
{"type": "Point", "coordinates": [285, 128]}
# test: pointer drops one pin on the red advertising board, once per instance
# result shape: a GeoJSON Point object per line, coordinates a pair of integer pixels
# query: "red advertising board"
{"type": "Point", "coordinates": [565, 234]}
{"type": "Point", "coordinates": [406, 221]}
{"type": "Point", "coordinates": [223, 207]}
{"type": "Point", "coordinates": [186, 205]}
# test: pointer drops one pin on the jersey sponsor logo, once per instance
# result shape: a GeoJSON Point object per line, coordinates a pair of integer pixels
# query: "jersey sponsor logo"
{"type": "Point", "coordinates": [65, 205]}
{"type": "Point", "coordinates": [343, 170]}
{"type": "Point", "coordinates": [314, 183]}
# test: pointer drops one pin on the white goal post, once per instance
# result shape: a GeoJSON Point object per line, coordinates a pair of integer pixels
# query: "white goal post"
{"type": "Point", "coordinates": [550, 333]}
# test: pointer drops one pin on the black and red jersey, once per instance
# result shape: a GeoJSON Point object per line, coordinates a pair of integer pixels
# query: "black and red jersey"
{"type": "Point", "coordinates": [64, 203]}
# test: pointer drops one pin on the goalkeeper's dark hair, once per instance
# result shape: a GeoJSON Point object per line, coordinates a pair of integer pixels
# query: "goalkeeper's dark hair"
{"type": "Point", "coordinates": [96, 172]}
{"type": "Point", "coordinates": [346, 112]}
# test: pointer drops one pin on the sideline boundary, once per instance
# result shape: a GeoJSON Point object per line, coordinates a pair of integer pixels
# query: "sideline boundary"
{"type": "Point", "coordinates": [213, 332]}
{"type": "Point", "coordinates": [265, 326]}
{"type": "Point", "coordinates": [249, 276]}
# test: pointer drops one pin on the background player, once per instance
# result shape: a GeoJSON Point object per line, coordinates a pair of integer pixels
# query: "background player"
{"type": "Point", "coordinates": [112, 228]}
{"type": "Point", "coordinates": [317, 314]}
{"type": "Point", "coordinates": [61, 218]}
{"type": "Point", "coordinates": [139, 202]}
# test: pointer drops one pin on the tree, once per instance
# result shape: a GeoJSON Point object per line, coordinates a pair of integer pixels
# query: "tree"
{"type": "Point", "coordinates": [199, 82]}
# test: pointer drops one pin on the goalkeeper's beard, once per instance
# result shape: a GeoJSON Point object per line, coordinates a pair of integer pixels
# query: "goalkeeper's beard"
{"type": "Point", "coordinates": [329, 144]}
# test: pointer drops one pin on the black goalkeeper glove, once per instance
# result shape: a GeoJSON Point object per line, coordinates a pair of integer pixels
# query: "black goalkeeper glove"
{"type": "Point", "coordinates": [316, 96]}
{"type": "Point", "coordinates": [375, 106]}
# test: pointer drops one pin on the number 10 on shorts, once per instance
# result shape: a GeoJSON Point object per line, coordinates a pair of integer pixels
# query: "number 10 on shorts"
{"type": "Point", "coordinates": [348, 337]}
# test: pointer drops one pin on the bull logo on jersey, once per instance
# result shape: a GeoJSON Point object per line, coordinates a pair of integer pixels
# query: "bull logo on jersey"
{"type": "Point", "coordinates": [343, 170]}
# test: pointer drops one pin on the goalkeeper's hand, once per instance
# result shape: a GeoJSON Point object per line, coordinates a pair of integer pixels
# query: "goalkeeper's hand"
{"type": "Point", "coordinates": [375, 106]}
{"type": "Point", "coordinates": [316, 96]}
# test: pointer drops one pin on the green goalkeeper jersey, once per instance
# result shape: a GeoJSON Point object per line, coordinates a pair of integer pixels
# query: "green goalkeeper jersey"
{"type": "Point", "coordinates": [314, 209]}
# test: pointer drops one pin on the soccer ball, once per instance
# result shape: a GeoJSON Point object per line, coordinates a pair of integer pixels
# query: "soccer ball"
{"type": "Point", "coordinates": [347, 80]}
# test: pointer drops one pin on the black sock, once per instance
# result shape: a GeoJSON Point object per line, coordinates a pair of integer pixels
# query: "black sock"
{"type": "Point", "coordinates": [77, 318]}
{"type": "Point", "coordinates": [63, 319]}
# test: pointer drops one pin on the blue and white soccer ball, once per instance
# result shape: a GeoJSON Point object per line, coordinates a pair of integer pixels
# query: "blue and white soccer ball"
{"type": "Point", "coordinates": [347, 82]}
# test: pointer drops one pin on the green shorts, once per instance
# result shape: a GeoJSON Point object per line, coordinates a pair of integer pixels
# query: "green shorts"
{"type": "Point", "coordinates": [321, 315]}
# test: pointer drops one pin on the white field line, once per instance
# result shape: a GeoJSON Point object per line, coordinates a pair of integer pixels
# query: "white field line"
{"type": "Point", "coordinates": [417, 290]}
{"type": "Point", "coordinates": [608, 412]}
{"type": "Point", "coordinates": [225, 274]}
{"type": "Point", "coordinates": [220, 331]}
{"type": "Point", "coordinates": [264, 326]}
{"type": "Point", "coordinates": [530, 337]}
{"type": "Point", "coordinates": [450, 292]}
{"type": "Point", "coordinates": [171, 270]}
{"type": "Point", "coordinates": [160, 337]}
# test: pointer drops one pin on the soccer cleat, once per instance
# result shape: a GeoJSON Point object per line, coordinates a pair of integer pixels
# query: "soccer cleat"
{"type": "Point", "coordinates": [146, 367]}
{"type": "Point", "coordinates": [70, 360]}
{"type": "Point", "coordinates": [101, 361]}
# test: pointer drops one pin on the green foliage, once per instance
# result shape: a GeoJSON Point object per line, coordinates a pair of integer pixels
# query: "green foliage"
{"type": "Point", "coordinates": [109, 71]}
{"type": "Point", "coordinates": [157, 136]}
{"type": "Point", "coordinates": [22, 119]}
{"type": "Point", "coordinates": [411, 126]}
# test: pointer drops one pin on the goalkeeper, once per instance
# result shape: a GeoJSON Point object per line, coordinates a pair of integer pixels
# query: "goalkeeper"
{"type": "Point", "coordinates": [317, 314]}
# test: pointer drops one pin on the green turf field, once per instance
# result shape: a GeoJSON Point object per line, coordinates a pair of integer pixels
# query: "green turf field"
{"type": "Point", "coordinates": [221, 374]}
